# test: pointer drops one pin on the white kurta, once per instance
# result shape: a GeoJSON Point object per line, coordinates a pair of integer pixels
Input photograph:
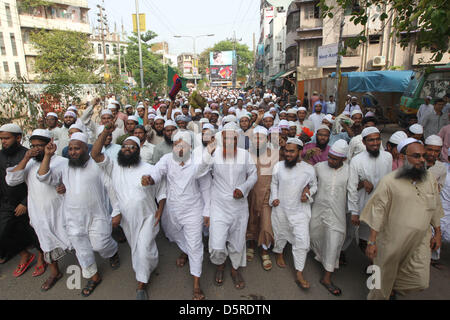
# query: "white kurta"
{"type": "Point", "coordinates": [229, 216]}
{"type": "Point", "coordinates": [183, 220]}
{"type": "Point", "coordinates": [138, 207]}
{"type": "Point", "coordinates": [328, 219]}
{"type": "Point", "coordinates": [290, 219]}
{"type": "Point", "coordinates": [61, 138]}
{"type": "Point", "coordinates": [445, 196]}
{"type": "Point", "coordinates": [364, 167]}
{"type": "Point", "coordinates": [88, 221]}
{"type": "Point", "coordinates": [147, 152]}
{"type": "Point", "coordinates": [316, 120]}
{"type": "Point", "coordinates": [45, 205]}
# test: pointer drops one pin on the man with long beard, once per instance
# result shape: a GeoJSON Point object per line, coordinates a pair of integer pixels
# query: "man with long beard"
{"type": "Point", "coordinates": [61, 135]}
{"type": "Point", "coordinates": [317, 152]}
{"type": "Point", "coordinates": [46, 216]}
{"type": "Point", "coordinates": [185, 215]}
{"type": "Point", "coordinates": [366, 170]}
{"type": "Point", "coordinates": [234, 176]}
{"type": "Point", "coordinates": [291, 208]}
{"type": "Point", "coordinates": [400, 214]}
{"type": "Point", "coordinates": [139, 215]}
{"type": "Point", "coordinates": [16, 234]}
{"type": "Point", "coordinates": [165, 146]}
{"type": "Point", "coordinates": [86, 215]}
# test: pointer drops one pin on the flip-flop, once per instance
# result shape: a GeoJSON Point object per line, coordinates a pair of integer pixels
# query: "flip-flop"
{"type": "Point", "coordinates": [90, 287]}
{"type": "Point", "coordinates": [301, 285]}
{"type": "Point", "coordinates": [21, 268]}
{"type": "Point", "coordinates": [114, 261]}
{"type": "Point", "coordinates": [267, 263]}
{"type": "Point", "coordinates": [50, 282]}
{"type": "Point", "coordinates": [332, 288]}
{"type": "Point", "coordinates": [250, 254]}
{"type": "Point", "coordinates": [39, 271]}
{"type": "Point", "coordinates": [237, 280]}
{"type": "Point", "coordinates": [219, 276]}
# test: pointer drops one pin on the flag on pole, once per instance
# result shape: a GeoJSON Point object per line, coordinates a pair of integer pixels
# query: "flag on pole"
{"type": "Point", "coordinates": [175, 82]}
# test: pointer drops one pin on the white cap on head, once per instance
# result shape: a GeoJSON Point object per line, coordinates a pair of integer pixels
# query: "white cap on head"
{"type": "Point", "coordinates": [207, 109]}
{"type": "Point", "coordinates": [302, 109]}
{"type": "Point", "coordinates": [434, 140]}
{"type": "Point", "coordinates": [198, 110]}
{"type": "Point", "coordinates": [126, 107]}
{"type": "Point", "coordinates": [11, 128]}
{"type": "Point", "coordinates": [134, 139]}
{"type": "Point", "coordinates": [169, 123]}
{"type": "Point", "coordinates": [106, 111]}
{"type": "Point", "coordinates": [76, 126]}
{"type": "Point", "coordinates": [272, 109]}
{"type": "Point", "coordinates": [72, 108]}
{"type": "Point", "coordinates": [140, 106]}
{"type": "Point", "coordinates": [182, 135]}
{"type": "Point", "coordinates": [255, 111]}
{"type": "Point", "coordinates": [416, 129]}
{"type": "Point", "coordinates": [283, 124]}
{"type": "Point", "coordinates": [229, 118]}
{"type": "Point", "coordinates": [41, 133]}
{"type": "Point", "coordinates": [329, 118]}
{"type": "Point", "coordinates": [112, 106]}
{"type": "Point", "coordinates": [204, 120]}
{"type": "Point", "coordinates": [406, 142]}
{"type": "Point", "coordinates": [159, 118]}
{"type": "Point", "coordinates": [292, 124]}
{"type": "Point", "coordinates": [323, 127]}
{"type": "Point", "coordinates": [152, 116]}
{"type": "Point", "coordinates": [429, 98]}
{"type": "Point", "coordinates": [397, 137]}
{"type": "Point", "coordinates": [369, 130]}
{"type": "Point", "coordinates": [230, 126]}
{"type": "Point", "coordinates": [208, 126]}
{"type": "Point", "coordinates": [52, 114]}
{"type": "Point", "coordinates": [267, 96]}
{"type": "Point", "coordinates": [232, 109]}
{"type": "Point", "coordinates": [292, 111]}
{"type": "Point", "coordinates": [339, 148]}
{"type": "Point", "coordinates": [134, 118]}
{"type": "Point", "coordinates": [295, 141]}
{"type": "Point", "coordinates": [261, 130]}
{"type": "Point", "coordinates": [298, 101]}
{"type": "Point", "coordinates": [151, 110]}
{"type": "Point", "coordinates": [244, 115]}
{"type": "Point", "coordinates": [267, 115]}
{"type": "Point", "coordinates": [79, 136]}
{"type": "Point", "coordinates": [216, 112]}
{"type": "Point", "coordinates": [70, 114]}
{"type": "Point", "coordinates": [357, 111]}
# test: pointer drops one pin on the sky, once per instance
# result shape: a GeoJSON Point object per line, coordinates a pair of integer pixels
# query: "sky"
{"type": "Point", "coordinates": [186, 18]}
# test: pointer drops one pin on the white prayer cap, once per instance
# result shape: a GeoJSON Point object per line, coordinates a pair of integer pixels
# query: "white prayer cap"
{"type": "Point", "coordinates": [295, 108]}
{"type": "Point", "coordinates": [216, 112]}
{"type": "Point", "coordinates": [151, 116]}
{"type": "Point", "coordinates": [369, 130]}
{"type": "Point", "coordinates": [244, 115]}
{"type": "Point", "coordinates": [106, 111]}
{"type": "Point", "coordinates": [347, 113]}
{"type": "Point", "coordinates": [292, 124]}
{"type": "Point", "coordinates": [267, 96]}
{"type": "Point", "coordinates": [240, 98]}
{"type": "Point", "coordinates": [416, 129]}
{"type": "Point", "coordinates": [406, 142]}
{"type": "Point", "coordinates": [231, 126]}
{"type": "Point", "coordinates": [267, 115]}
{"type": "Point", "coordinates": [159, 118]}
{"type": "Point", "coordinates": [182, 135]}
{"type": "Point", "coordinates": [207, 109]}
{"type": "Point", "coordinates": [255, 111]}
{"type": "Point", "coordinates": [198, 110]}
{"type": "Point", "coordinates": [283, 111]}
{"type": "Point", "coordinates": [134, 118]}
{"type": "Point", "coordinates": [298, 101]}
{"type": "Point", "coordinates": [397, 137]}
{"type": "Point", "coordinates": [115, 102]}
{"type": "Point", "coordinates": [204, 120]}
{"type": "Point", "coordinates": [357, 111]}
{"type": "Point", "coordinates": [301, 109]}
{"type": "Point", "coordinates": [182, 117]}
{"type": "Point", "coordinates": [208, 126]}
{"type": "Point", "coordinates": [232, 109]}
{"type": "Point", "coordinates": [80, 136]}
{"type": "Point", "coordinates": [260, 130]}
{"type": "Point", "coordinates": [369, 114]}
{"type": "Point", "coordinates": [272, 109]}
{"type": "Point", "coordinates": [52, 114]}
{"type": "Point", "coordinates": [229, 118]}
{"type": "Point", "coordinates": [339, 148]}
{"type": "Point", "coordinates": [72, 108]}
{"type": "Point", "coordinates": [140, 106]}
{"type": "Point", "coordinates": [323, 127]}
{"type": "Point", "coordinates": [70, 114]}
{"type": "Point", "coordinates": [429, 98]}
{"type": "Point", "coordinates": [291, 111]}
{"type": "Point", "coordinates": [284, 124]}
{"type": "Point", "coordinates": [354, 98]}
{"type": "Point", "coordinates": [76, 126]}
{"type": "Point", "coordinates": [151, 110]}
{"type": "Point", "coordinates": [127, 106]}
{"type": "Point", "coordinates": [163, 105]}
{"type": "Point", "coordinates": [112, 106]}
{"type": "Point", "coordinates": [134, 139]}
{"type": "Point", "coordinates": [329, 118]}
{"type": "Point", "coordinates": [434, 140]}
{"type": "Point", "coordinates": [271, 103]}
{"type": "Point", "coordinates": [11, 128]}
{"type": "Point", "coordinates": [295, 141]}
{"type": "Point", "coordinates": [170, 123]}
{"type": "Point", "coordinates": [41, 133]}
{"type": "Point", "coordinates": [349, 96]}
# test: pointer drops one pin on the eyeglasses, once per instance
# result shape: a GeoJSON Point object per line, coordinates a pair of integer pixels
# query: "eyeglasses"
{"type": "Point", "coordinates": [416, 155]}
{"type": "Point", "coordinates": [129, 147]}
{"type": "Point", "coordinates": [37, 146]}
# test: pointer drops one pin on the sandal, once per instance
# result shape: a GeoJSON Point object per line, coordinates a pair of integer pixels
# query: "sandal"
{"type": "Point", "coordinates": [182, 259]}
{"type": "Point", "coordinates": [219, 277]}
{"type": "Point", "coordinates": [90, 287]}
{"type": "Point", "coordinates": [250, 254]}
{"type": "Point", "coordinates": [50, 282]}
{"type": "Point", "coordinates": [267, 263]}
{"type": "Point", "coordinates": [332, 288]}
{"type": "Point", "coordinates": [38, 271]}
{"type": "Point", "coordinates": [304, 285]}
{"type": "Point", "coordinates": [238, 281]}
{"type": "Point", "coordinates": [114, 261]}
{"type": "Point", "coordinates": [198, 294]}
{"type": "Point", "coordinates": [21, 268]}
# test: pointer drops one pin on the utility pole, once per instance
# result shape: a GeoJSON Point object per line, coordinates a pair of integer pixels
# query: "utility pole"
{"type": "Point", "coordinates": [141, 68]}
{"type": "Point", "coordinates": [338, 63]}
{"type": "Point", "coordinates": [234, 58]}
{"type": "Point", "coordinates": [118, 49]}
{"type": "Point", "coordinates": [103, 22]}
{"type": "Point", "coordinates": [124, 60]}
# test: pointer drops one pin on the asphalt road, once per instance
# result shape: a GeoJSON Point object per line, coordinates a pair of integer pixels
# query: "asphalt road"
{"type": "Point", "coordinates": [171, 283]}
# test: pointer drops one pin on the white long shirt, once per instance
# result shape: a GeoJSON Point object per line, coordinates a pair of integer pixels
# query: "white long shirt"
{"type": "Point", "coordinates": [316, 120]}
{"type": "Point", "coordinates": [424, 109]}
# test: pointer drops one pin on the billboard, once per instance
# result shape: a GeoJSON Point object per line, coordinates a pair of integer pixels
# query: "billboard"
{"type": "Point", "coordinates": [221, 58]}
{"type": "Point", "coordinates": [327, 55]}
{"type": "Point", "coordinates": [220, 73]}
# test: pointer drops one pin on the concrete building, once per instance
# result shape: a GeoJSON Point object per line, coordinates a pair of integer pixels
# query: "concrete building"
{"type": "Point", "coordinates": [185, 62]}
{"type": "Point", "coordinates": [17, 55]}
{"type": "Point", "coordinates": [162, 48]}
{"type": "Point", "coordinates": [113, 41]}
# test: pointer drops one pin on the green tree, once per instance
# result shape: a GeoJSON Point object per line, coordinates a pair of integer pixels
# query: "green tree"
{"type": "Point", "coordinates": [426, 20]}
{"type": "Point", "coordinates": [64, 57]}
{"type": "Point", "coordinates": [244, 57]}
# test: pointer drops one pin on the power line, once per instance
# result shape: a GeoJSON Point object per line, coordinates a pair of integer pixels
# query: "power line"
{"type": "Point", "coordinates": [235, 19]}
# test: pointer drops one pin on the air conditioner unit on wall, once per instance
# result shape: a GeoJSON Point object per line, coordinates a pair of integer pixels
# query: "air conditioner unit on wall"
{"type": "Point", "coordinates": [379, 61]}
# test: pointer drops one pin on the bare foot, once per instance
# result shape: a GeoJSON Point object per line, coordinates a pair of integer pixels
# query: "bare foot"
{"type": "Point", "coordinates": [182, 259]}
{"type": "Point", "coordinates": [198, 294]}
{"type": "Point", "coordinates": [280, 261]}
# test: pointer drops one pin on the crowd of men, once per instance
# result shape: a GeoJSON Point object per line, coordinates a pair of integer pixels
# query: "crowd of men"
{"type": "Point", "coordinates": [244, 175]}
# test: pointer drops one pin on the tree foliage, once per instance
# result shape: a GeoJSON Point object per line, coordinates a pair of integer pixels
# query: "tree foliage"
{"type": "Point", "coordinates": [243, 54]}
{"type": "Point", "coordinates": [426, 20]}
{"type": "Point", "coordinates": [64, 57]}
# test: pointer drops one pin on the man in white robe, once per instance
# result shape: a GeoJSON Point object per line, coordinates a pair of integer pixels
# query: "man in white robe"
{"type": "Point", "coordinates": [139, 215]}
{"type": "Point", "coordinates": [293, 184]}
{"type": "Point", "coordinates": [234, 175]}
{"type": "Point", "coordinates": [366, 170]}
{"type": "Point", "coordinates": [86, 215]}
{"type": "Point", "coordinates": [328, 217]}
{"type": "Point", "coordinates": [44, 204]}
{"type": "Point", "coordinates": [317, 117]}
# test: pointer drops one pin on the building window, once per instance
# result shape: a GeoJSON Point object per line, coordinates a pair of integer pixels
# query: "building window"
{"type": "Point", "coordinates": [310, 48]}
{"type": "Point", "coordinates": [279, 46]}
{"type": "Point", "coordinates": [6, 67]}
{"type": "Point", "coordinates": [309, 12]}
{"type": "Point", "coordinates": [2, 45]}
{"type": "Point", "coordinates": [99, 49]}
{"type": "Point", "coordinates": [115, 50]}
{"type": "Point", "coordinates": [13, 44]}
{"type": "Point", "coordinates": [374, 39]}
{"type": "Point", "coordinates": [17, 66]}
{"type": "Point", "coordinates": [8, 15]}
{"type": "Point", "coordinates": [353, 8]}
{"type": "Point", "coordinates": [26, 36]}
{"type": "Point", "coordinates": [107, 49]}
{"type": "Point", "coordinates": [293, 22]}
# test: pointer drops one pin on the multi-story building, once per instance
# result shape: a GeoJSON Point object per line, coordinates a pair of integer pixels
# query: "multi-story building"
{"type": "Point", "coordinates": [113, 41]}
{"type": "Point", "coordinates": [162, 48]}
{"type": "Point", "coordinates": [185, 62]}
{"type": "Point", "coordinates": [17, 55]}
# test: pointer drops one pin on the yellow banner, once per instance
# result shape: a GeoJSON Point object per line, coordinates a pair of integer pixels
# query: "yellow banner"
{"type": "Point", "coordinates": [141, 22]}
